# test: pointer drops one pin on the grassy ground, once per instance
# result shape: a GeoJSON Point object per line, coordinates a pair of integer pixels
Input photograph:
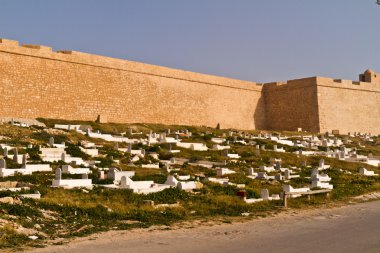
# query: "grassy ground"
{"type": "Point", "coordinates": [62, 214]}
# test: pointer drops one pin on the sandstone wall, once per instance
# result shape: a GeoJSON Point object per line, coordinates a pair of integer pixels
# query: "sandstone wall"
{"type": "Point", "coordinates": [37, 82]}
{"type": "Point", "coordinates": [292, 105]}
{"type": "Point", "coordinates": [348, 106]}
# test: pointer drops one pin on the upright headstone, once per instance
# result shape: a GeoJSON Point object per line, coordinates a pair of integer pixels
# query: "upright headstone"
{"type": "Point", "coordinates": [264, 194]}
{"type": "Point", "coordinates": [274, 147]}
{"type": "Point", "coordinates": [24, 161]}
{"type": "Point", "coordinates": [15, 155]}
{"type": "Point", "coordinates": [287, 175]}
{"type": "Point", "coordinates": [129, 147]}
{"type": "Point", "coordinates": [5, 152]}
{"type": "Point", "coordinates": [251, 171]}
{"type": "Point", "coordinates": [123, 182]}
{"type": "Point", "coordinates": [278, 177]}
{"type": "Point", "coordinates": [278, 165]}
{"type": "Point", "coordinates": [51, 141]}
{"type": "Point", "coordinates": [84, 176]}
{"type": "Point", "coordinates": [168, 131]}
{"type": "Point", "coordinates": [101, 175]}
{"type": "Point", "coordinates": [314, 172]}
{"type": "Point", "coordinates": [116, 146]}
{"type": "Point", "coordinates": [257, 151]}
{"type": "Point", "coordinates": [58, 174]}
{"type": "Point", "coordinates": [63, 157]}
{"type": "Point", "coordinates": [321, 163]}
{"type": "Point", "coordinates": [3, 163]}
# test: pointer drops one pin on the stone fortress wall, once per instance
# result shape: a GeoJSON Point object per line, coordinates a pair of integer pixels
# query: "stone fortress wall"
{"type": "Point", "coordinates": [38, 82]}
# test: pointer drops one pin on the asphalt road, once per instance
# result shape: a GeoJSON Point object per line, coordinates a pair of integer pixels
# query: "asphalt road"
{"type": "Point", "coordinates": [354, 228]}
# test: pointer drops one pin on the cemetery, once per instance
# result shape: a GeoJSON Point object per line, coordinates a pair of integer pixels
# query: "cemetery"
{"type": "Point", "coordinates": [62, 179]}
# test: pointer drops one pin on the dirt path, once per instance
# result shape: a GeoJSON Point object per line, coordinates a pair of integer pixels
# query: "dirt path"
{"type": "Point", "coordinates": [353, 228]}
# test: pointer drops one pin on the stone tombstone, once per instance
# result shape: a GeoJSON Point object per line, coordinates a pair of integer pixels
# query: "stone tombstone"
{"type": "Point", "coordinates": [84, 176]}
{"type": "Point", "coordinates": [321, 163]}
{"type": "Point", "coordinates": [278, 177]}
{"type": "Point", "coordinates": [15, 155]}
{"type": "Point", "coordinates": [170, 147]}
{"type": "Point", "coordinates": [287, 175]}
{"type": "Point", "coordinates": [264, 194]}
{"type": "Point", "coordinates": [24, 161]}
{"type": "Point", "coordinates": [101, 175]}
{"type": "Point", "coordinates": [63, 157]}
{"type": "Point", "coordinates": [116, 146]}
{"type": "Point", "coordinates": [314, 172]}
{"type": "Point", "coordinates": [262, 175]}
{"type": "Point", "coordinates": [176, 137]}
{"type": "Point", "coordinates": [123, 182]}
{"type": "Point", "coordinates": [51, 141]}
{"type": "Point", "coordinates": [257, 151]}
{"type": "Point", "coordinates": [130, 131]}
{"type": "Point", "coordinates": [235, 138]}
{"type": "Point", "coordinates": [168, 131]}
{"type": "Point", "coordinates": [278, 165]}
{"type": "Point", "coordinates": [262, 147]}
{"type": "Point", "coordinates": [129, 147]}
{"type": "Point", "coordinates": [275, 147]}
{"type": "Point", "coordinates": [58, 174]}
{"type": "Point", "coordinates": [251, 171]}
{"type": "Point", "coordinates": [257, 147]}
{"type": "Point", "coordinates": [3, 163]}
{"type": "Point", "coordinates": [143, 152]}
{"type": "Point", "coordinates": [5, 152]}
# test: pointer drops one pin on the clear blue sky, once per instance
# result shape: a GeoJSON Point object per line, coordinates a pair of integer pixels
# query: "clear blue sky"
{"type": "Point", "coordinates": [257, 40]}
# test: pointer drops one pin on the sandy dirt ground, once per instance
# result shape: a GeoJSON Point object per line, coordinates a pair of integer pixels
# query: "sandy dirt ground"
{"type": "Point", "coordinates": [352, 228]}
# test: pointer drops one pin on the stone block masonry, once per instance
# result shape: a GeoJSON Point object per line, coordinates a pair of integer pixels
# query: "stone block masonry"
{"type": "Point", "coordinates": [38, 82]}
